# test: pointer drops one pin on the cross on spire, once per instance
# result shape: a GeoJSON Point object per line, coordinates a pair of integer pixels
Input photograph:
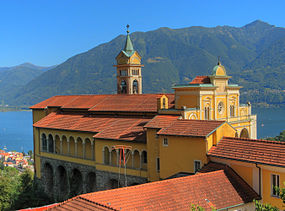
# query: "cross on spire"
{"type": "Point", "coordinates": [128, 26]}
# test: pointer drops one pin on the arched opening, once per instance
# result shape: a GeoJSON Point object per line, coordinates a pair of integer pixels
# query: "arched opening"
{"type": "Point", "coordinates": [44, 142]}
{"type": "Point", "coordinates": [50, 143]}
{"type": "Point", "coordinates": [135, 87]}
{"type": "Point", "coordinates": [71, 146]}
{"type": "Point", "coordinates": [57, 144]}
{"type": "Point", "coordinates": [76, 183]}
{"type": "Point", "coordinates": [113, 183]}
{"type": "Point", "coordinates": [232, 111]}
{"type": "Point", "coordinates": [91, 181]}
{"type": "Point", "coordinates": [137, 159]}
{"type": "Point", "coordinates": [128, 158]}
{"type": "Point", "coordinates": [79, 148]}
{"type": "Point", "coordinates": [244, 133]}
{"type": "Point", "coordinates": [114, 157]}
{"type": "Point", "coordinates": [123, 87]}
{"type": "Point", "coordinates": [88, 149]}
{"type": "Point", "coordinates": [106, 156]}
{"type": "Point", "coordinates": [207, 112]}
{"type": "Point", "coordinates": [144, 159]}
{"type": "Point", "coordinates": [48, 173]}
{"type": "Point", "coordinates": [64, 145]}
{"type": "Point", "coordinates": [62, 180]}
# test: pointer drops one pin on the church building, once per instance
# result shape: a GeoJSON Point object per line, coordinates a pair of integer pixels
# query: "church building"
{"type": "Point", "coordinates": [87, 143]}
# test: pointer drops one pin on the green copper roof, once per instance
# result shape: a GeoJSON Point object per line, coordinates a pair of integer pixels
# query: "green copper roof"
{"type": "Point", "coordinates": [128, 49]}
{"type": "Point", "coordinates": [193, 85]}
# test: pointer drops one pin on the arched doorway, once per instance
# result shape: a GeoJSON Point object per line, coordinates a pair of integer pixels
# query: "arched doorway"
{"type": "Point", "coordinates": [135, 87]}
{"type": "Point", "coordinates": [76, 183]}
{"type": "Point", "coordinates": [123, 87]}
{"type": "Point", "coordinates": [91, 182]}
{"type": "Point", "coordinates": [244, 133]}
{"type": "Point", "coordinates": [48, 174]}
{"type": "Point", "coordinates": [61, 177]}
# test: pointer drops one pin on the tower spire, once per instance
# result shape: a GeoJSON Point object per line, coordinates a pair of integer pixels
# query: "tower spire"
{"type": "Point", "coordinates": [128, 45]}
{"type": "Point", "coordinates": [219, 60]}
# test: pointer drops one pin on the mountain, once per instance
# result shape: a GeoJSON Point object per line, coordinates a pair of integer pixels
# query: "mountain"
{"type": "Point", "coordinates": [14, 78]}
{"type": "Point", "coordinates": [252, 54]}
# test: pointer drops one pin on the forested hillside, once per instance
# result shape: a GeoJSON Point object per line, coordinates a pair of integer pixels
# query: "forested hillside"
{"type": "Point", "coordinates": [253, 54]}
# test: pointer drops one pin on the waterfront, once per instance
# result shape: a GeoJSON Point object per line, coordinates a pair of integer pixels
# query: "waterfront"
{"type": "Point", "coordinates": [16, 132]}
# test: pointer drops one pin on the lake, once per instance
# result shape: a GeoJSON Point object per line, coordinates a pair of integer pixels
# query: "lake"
{"type": "Point", "coordinates": [16, 132]}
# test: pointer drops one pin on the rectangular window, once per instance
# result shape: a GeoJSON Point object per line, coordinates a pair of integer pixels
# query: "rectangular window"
{"type": "Point", "coordinates": [123, 73]}
{"type": "Point", "coordinates": [165, 142]}
{"type": "Point", "coordinates": [157, 165]}
{"type": "Point", "coordinates": [207, 113]}
{"type": "Point", "coordinates": [232, 110]}
{"type": "Point", "coordinates": [197, 165]}
{"type": "Point", "coordinates": [135, 72]}
{"type": "Point", "coordinates": [274, 183]}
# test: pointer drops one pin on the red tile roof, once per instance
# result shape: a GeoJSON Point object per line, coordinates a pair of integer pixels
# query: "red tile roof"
{"type": "Point", "coordinates": [116, 102]}
{"type": "Point", "coordinates": [242, 188]}
{"type": "Point", "coordinates": [161, 121]}
{"type": "Point", "coordinates": [250, 150]}
{"type": "Point", "coordinates": [199, 128]}
{"type": "Point", "coordinates": [201, 80]}
{"type": "Point", "coordinates": [129, 129]}
{"type": "Point", "coordinates": [204, 189]}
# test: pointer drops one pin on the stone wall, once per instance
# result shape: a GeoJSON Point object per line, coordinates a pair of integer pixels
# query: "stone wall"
{"type": "Point", "coordinates": [62, 180]}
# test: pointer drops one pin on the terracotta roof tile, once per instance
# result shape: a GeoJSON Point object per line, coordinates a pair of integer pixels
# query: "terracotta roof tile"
{"type": "Point", "coordinates": [204, 189]}
{"type": "Point", "coordinates": [199, 128]}
{"type": "Point", "coordinates": [116, 102]}
{"type": "Point", "coordinates": [107, 127]}
{"type": "Point", "coordinates": [250, 150]}
{"type": "Point", "coordinates": [201, 80]}
{"type": "Point", "coordinates": [161, 121]}
{"type": "Point", "coordinates": [242, 188]}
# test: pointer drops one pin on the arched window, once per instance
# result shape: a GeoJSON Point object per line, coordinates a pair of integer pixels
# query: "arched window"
{"type": "Point", "coordinates": [50, 143]}
{"type": "Point", "coordinates": [135, 87]}
{"type": "Point", "coordinates": [232, 110]}
{"type": "Point", "coordinates": [44, 142]}
{"type": "Point", "coordinates": [123, 87]}
{"type": "Point", "coordinates": [207, 112]}
{"type": "Point", "coordinates": [244, 133]}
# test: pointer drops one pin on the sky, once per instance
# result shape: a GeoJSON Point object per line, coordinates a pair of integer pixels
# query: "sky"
{"type": "Point", "coordinates": [48, 32]}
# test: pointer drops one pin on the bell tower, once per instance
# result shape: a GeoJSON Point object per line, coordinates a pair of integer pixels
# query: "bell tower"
{"type": "Point", "coordinates": [129, 78]}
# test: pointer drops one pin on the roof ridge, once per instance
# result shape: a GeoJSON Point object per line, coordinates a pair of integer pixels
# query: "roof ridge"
{"type": "Point", "coordinates": [93, 202]}
{"type": "Point", "coordinates": [256, 140]}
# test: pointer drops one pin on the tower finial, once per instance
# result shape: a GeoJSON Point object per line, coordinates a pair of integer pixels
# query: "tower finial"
{"type": "Point", "coordinates": [128, 26]}
{"type": "Point", "coordinates": [219, 60]}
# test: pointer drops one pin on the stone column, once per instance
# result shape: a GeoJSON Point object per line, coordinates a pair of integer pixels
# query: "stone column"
{"type": "Point", "coordinates": [47, 144]}
{"type": "Point", "coordinates": [92, 148]}
{"type": "Point", "coordinates": [133, 163]}
{"type": "Point", "coordinates": [84, 149]}
{"type": "Point", "coordinates": [54, 143]}
{"type": "Point", "coordinates": [60, 146]}
{"type": "Point", "coordinates": [118, 156]}
{"type": "Point", "coordinates": [110, 157]}
{"type": "Point", "coordinates": [75, 147]}
{"type": "Point", "coordinates": [140, 160]}
{"type": "Point", "coordinates": [68, 147]}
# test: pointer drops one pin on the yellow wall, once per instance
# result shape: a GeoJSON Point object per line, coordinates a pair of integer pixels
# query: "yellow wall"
{"type": "Point", "coordinates": [180, 154]}
{"type": "Point", "coordinates": [38, 114]}
{"type": "Point", "coordinates": [153, 153]}
{"type": "Point", "coordinates": [190, 101]}
{"type": "Point", "coordinates": [245, 172]}
{"type": "Point", "coordinates": [266, 187]}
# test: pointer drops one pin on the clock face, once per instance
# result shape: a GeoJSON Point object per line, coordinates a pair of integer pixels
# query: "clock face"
{"type": "Point", "coordinates": [221, 108]}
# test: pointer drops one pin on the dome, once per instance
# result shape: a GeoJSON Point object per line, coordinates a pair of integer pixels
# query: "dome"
{"type": "Point", "coordinates": [219, 70]}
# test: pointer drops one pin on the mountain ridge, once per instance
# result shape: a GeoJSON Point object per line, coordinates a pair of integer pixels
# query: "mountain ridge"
{"type": "Point", "coordinates": [170, 56]}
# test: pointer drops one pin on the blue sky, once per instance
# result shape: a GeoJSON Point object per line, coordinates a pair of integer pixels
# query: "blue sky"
{"type": "Point", "coordinates": [47, 32]}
